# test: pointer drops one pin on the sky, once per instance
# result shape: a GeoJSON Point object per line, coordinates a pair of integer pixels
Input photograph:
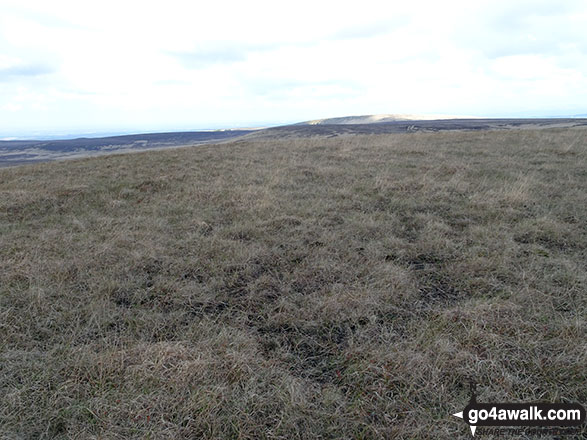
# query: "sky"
{"type": "Point", "coordinates": [129, 66]}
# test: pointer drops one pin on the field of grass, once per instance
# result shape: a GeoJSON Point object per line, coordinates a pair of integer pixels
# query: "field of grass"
{"type": "Point", "coordinates": [315, 288]}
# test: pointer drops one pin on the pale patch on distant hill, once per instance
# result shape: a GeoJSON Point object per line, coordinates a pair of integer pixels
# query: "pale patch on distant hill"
{"type": "Point", "coordinates": [373, 119]}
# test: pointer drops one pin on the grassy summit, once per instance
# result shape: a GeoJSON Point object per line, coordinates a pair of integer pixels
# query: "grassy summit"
{"type": "Point", "coordinates": [341, 287]}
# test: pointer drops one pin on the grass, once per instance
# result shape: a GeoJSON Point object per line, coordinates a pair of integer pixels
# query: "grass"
{"type": "Point", "coordinates": [344, 287]}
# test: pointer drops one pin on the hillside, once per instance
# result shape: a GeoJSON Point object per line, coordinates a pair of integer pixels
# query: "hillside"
{"type": "Point", "coordinates": [293, 285]}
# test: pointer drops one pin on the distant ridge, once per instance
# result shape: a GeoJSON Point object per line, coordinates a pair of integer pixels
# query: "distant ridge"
{"type": "Point", "coordinates": [375, 119]}
{"type": "Point", "coordinates": [14, 152]}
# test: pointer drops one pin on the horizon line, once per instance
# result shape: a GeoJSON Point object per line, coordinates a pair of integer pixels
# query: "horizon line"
{"type": "Point", "coordinates": [112, 132]}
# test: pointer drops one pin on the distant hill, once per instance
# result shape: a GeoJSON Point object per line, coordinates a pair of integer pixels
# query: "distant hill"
{"type": "Point", "coordinates": [375, 119]}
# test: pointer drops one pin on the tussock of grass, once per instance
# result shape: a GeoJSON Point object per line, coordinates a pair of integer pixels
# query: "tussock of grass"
{"type": "Point", "coordinates": [293, 288]}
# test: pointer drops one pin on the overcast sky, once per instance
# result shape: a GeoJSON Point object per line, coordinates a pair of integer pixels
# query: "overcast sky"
{"type": "Point", "coordinates": [81, 66]}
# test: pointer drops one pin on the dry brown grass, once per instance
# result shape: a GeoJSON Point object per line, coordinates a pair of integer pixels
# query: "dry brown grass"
{"type": "Point", "coordinates": [302, 288]}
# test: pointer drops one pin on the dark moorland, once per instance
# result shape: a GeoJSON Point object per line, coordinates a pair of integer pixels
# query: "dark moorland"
{"type": "Point", "coordinates": [20, 152]}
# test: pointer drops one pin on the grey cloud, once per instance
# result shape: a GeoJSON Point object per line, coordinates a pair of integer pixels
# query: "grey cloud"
{"type": "Point", "coordinates": [25, 71]}
{"type": "Point", "coordinates": [519, 14]}
{"type": "Point", "coordinates": [221, 53]}
{"type": "Point", "coordinates": [525, 28]}
{"type": "Point", "coordinates": [516, 44]}
{"type": "Point", "coordinates": [218, 54]}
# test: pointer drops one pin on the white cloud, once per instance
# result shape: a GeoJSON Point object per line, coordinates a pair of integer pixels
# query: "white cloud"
{"type": "Point", "coordinates": [184, 64]}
